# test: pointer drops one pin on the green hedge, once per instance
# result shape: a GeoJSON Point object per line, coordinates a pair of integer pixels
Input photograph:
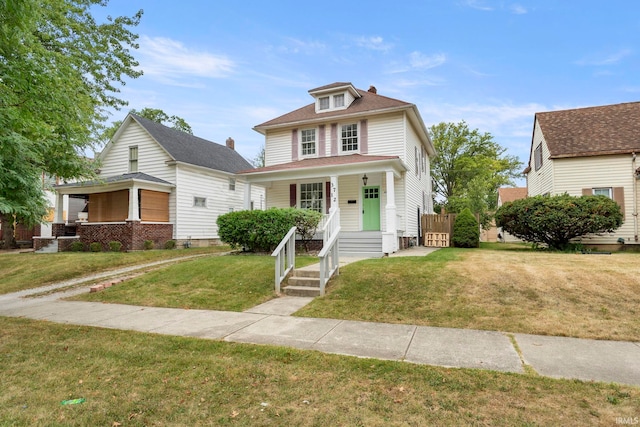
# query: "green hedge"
{"type": "Point", "coordinates": [466, 230]}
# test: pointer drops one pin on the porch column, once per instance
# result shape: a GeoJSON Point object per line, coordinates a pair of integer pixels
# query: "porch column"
{"type": "Point", "coordinates": [247, 196]}
{"type": "Point", "coordinates": [134, 203]}
{"type": "Point", "coordinates": [59, 209]}
{"type": "Point", "coordinates": [334, 193]}
{"type": "Point", "coordinates": [389, 236]}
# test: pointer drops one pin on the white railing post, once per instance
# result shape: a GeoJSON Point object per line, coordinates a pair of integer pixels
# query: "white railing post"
{"type": "Point", "coordinates": [329, 256]}
{"type": "Point", "coordinates": [285, 255]}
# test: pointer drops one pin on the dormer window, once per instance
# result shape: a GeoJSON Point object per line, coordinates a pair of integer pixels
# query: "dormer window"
{"type": "Point", "coordinates": [338, 100]}
{"type": "Point", "coordinates": [323, 103]}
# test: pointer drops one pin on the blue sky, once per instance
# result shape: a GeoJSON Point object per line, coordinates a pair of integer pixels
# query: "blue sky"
{"type": "Point", "coordinates": [226, 66]}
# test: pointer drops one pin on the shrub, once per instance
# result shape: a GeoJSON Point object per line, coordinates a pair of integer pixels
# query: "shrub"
{"type": "Point", "coordinates": [170, 244]}
{"type": "Point", "coordinates": [148, 244]}
{"type": "Point", "coordinates": [115, 246]}
{"type": "Point", "coordinates": [466, 231]}
{"type": "Point", "coordinates": [554, 221]}
{"type": "Point", "coordinates": [306, 222]}
{"type": "Point", "coordinates": [76, 247]}
{"type": "Point", "coordinates": [95, 247]}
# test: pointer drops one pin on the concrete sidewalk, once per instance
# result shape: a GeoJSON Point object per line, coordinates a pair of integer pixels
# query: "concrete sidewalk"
{"type": "Point", "coordinates": [270, 323]}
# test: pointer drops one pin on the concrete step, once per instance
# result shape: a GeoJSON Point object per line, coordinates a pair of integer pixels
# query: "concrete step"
{"type": "Point", "coordinates": [49, 249]}
{"type": "Point", "coordinates": [301, 291]}
{"type": "Point", "coordinates": [312, 282]}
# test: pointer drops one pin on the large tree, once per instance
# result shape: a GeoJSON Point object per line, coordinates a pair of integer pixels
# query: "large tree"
{"type": "Point", "coordinates": [155, 114]}
{"type": "Point", "coordinates": [469, 168]}
{"type": "Point", "coordinates": [59, 73]}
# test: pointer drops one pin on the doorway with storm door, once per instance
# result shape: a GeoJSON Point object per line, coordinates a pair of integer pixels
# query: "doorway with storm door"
{"type": "Point", "coordinates": [370, 208]}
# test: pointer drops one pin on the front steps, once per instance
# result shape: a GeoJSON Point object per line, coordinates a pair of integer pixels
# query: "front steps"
{"type": "Point", "coordinates": [50, 248]}
{"type": "Point", "coordinates": [365, 244]}
{"type": "Point", "coordinates": [304, 282]}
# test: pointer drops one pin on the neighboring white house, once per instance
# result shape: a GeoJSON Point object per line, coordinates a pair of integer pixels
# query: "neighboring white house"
{"type": "Point", "coordinates": [589, 151]}
{"type": "Point", "coordinates": [509, 195]}
{"type": "Point", "coordinates": [355, 150]}
{"type": "Point", "coordinates": [158, 184]}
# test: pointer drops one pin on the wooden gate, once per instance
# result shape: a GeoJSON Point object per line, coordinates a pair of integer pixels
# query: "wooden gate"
{"type": "Point", "coordinates": [437, 229]}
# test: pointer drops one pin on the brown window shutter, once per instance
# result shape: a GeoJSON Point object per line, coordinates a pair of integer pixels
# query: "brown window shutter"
{"type": "Point", "coordinates": [328, 195]}
{"type": "Point", "coordinates": [292, 195]}
{"type": "Point", "coordinates": [618, 196]}
{"type": "Point", "coordinates": [334, 139]}
{"type": "Point", "coordinates": [587, 191]}
{"type": "Point", "coordinates": [322, 141]}
{"type": "Point", "coordinates": [294, 145]}
{"type": "Point", "coordinates": [364, 137]}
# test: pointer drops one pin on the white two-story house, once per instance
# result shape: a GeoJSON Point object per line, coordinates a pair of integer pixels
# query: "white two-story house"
{"type": "Point", "coordinates": [353, 150]}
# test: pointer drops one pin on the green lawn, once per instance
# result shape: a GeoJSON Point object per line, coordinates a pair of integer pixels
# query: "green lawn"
{"type": "Point", "coordinates": [136, 379]}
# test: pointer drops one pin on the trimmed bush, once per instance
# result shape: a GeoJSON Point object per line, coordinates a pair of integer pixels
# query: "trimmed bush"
{"type": "Point", "coordinates": [115, 246]}
{"type": "Point", "coordinates": [148, 244]}
{"type": "Point", "coordinates": [95, 247]}
{"type": "Point", "coordinates": [466, 231]}
{"type": "Point", "coordinates": [170, 244]}
{"type": "Point", "coordinates": [76, 247]}
{"type": "Point", "coordinates": [554, 221]}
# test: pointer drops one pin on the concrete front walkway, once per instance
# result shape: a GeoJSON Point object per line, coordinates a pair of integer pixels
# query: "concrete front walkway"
{"type": "Point", "coordinates": [270, 323]}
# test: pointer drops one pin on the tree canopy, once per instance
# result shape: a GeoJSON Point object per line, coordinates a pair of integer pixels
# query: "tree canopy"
{"type": "Point", "coordinates": [155, 114]}
{"type": "Point", "coordinates": [60, 71]}
{"type": "Point", "coordinates": [469, 168]}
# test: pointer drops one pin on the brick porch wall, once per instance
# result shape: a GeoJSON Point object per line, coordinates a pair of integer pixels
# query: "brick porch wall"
{"type": "Point", "coordinates": [131, 234]}
{"type": "Point", "coordinates": [57, 229]}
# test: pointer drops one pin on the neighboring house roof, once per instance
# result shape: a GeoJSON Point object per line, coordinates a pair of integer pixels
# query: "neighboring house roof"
{"type": "Point", "coordinates": [138, 176]}
{"type": "Point", "coordinates": [367, 102]}
{"type": "Point", "coordinates": [592, 131]}
{"type": "Point", "coordinates": [186, 148]}
{"type": "Point", "coordinates": [511, 194]}
{"type": "Point", "coordinates": [320, 162]}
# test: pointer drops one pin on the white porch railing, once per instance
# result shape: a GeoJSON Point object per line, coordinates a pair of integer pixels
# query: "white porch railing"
{"type": "Point", "coordinates": [329, 255]}
{"type": "Point", "coordinates": [285, 255]}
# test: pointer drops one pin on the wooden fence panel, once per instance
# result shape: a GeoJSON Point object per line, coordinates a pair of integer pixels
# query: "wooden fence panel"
{"type": "Point", "coordinates": [437, 223]}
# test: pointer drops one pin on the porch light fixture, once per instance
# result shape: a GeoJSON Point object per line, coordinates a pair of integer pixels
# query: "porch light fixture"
{"type": "Point", "coordinates": [365, 178]}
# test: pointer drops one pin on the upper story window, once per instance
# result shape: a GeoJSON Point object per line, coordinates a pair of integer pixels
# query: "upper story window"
{"type": "Point", "coordinates": [338, 100]}
{"type": "Point", "coordinates": [537, 155]}
{"type": "Point", "coordinates": [349, 137]}
{"type": "Point", "coordinates": [308, 141]}
{"type": "Point", "coordinates": [133, 159]}
{"type": "Point", "coordinates": [232, 184]}
{"type": "Point", "coordinates": [323, 103]}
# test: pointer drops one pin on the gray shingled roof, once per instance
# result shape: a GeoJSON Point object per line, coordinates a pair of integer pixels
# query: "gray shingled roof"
{"type": "Point", "coordinates": [187, 148]}
{"type": "Point", "coordinates": [592, 131]}
{"type": "Point", "coordinates": [118, 178]}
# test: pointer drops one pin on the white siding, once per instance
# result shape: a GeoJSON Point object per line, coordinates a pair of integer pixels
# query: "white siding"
{"type": "Point", "coordinates": [151, 157]}
{"type": "Point", "coordinates": [572, 175]}
{"type": "Point", "coordinates": [277, 147]}
{"type": "Point", "coordinates": [417, 181]}
{"type": "Point", "coordinates": [540, 181]}
{"type": "Point", "coordinates": [386, 135]}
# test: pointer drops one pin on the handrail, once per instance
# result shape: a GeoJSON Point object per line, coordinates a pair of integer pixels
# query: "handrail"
{"type": "Point", "coordinates": [331, 222]}
{"type": "Point", "coordinates": [329, 259]}
{"type": "Point", "coordinates": [285, 254]}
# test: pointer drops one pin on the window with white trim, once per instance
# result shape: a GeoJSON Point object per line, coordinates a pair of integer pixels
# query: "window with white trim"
{"type": "Point", "coordinates": [308, 142]}
{"type": "Point", "coordinates": [349, 137]}
{"type": "Point", "coordinates": [199, 202]}
{"type": "Point", "coordinates": [603, 191]}
{"type": "Point", "coordinates": [537, 155]}
{"type": "Point", "coordinates": [133, 159]}
{"type": "Point", "coordinates": [311, 196]}
{"type": "Point", "coordinates": [323, 103]}
{"type": "Point", "coordinates": [232, 184]}
{"type": "Point", "coordinates": [338, 100]}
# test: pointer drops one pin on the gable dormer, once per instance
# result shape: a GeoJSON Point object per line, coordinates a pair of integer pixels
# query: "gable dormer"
{"type": "Point", "coordinates": [333, 97]}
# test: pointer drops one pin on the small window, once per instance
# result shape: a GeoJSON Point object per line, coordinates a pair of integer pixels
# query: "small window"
{"type": "Point", "coordinates": [350, 137]}
{"type": "Point", "coordinates": [232, 184]}
{"type": "Point", "coordinates": [200, 202]}
{"type": "Point", "coordinates": [308, 140]}
{"type": "Point", "coordinates": [603, 191]}
{"type": "Point", "coordinates": [323, 103]}
{"type": "Point", "coordinates": [133, 159]}
{"type": "Point", "coordinates": [338, 101]}
{"type": "Point", "coordinates": [537, 155]}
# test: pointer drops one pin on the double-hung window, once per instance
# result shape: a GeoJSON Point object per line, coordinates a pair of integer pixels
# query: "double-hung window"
{"type": "Point", "coordinates": [324, 103]}
{"type": "Point", "coordinates": [232, 184]}
{"type": "Point", "coordinates": [133, 159]}
{"type": "Point", "coordinates": [349, 137]}
{"type": "Point", "coordinates": [537, 155]}
{"type": "Point", "coordinates": [311, 196]}
{"type": "Point", "coordinates": [308, 141]}
{"type": "Point", "coordinates": [338, 100]}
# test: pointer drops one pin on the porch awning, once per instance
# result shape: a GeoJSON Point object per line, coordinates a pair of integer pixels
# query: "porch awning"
{"type": "Point", "coordinates": [113, 183]}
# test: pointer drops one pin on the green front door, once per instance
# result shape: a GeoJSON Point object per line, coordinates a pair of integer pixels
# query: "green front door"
{"type": "Point", "coordinates": [370, 208]}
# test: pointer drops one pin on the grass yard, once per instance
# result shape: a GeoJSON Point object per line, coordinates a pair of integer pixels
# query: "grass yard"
{"type": "Point", "coordinates": [514, 290]}
{"type": "Point", "coordinates": [230, 283]}
{"type": "Point", "coordinates": [31, 270]}
{"type": "Point", "coordinates": [136, 379]}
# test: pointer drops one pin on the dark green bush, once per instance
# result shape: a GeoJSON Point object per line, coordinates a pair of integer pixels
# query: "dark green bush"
{"type": "Point", "coordinates": [95, 247]}
{"type": "Point", "coordinates": [148, 244]}
{"type": "Point", "coordinates": [263, 230]}
{"type": "Point", "coordinates": [466, 231]}
{"type": "Point", "coordinates": [554, 221]}
{"type": "Point", "coordinates": [170, 244]}
{"type": "Point", "coordinates": [76, 247]}
{"type": "Point", "coordinates": [115, 246]}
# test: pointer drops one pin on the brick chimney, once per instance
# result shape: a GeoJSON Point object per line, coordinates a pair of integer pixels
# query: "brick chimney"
{"type": "Point", "coordinates": [231, 143]}
{"type": "Point", "coordinates": [372, 89]}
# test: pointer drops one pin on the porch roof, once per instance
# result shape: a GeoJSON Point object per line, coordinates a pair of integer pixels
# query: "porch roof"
{"type": "Point", "coordinates": [116, 182]}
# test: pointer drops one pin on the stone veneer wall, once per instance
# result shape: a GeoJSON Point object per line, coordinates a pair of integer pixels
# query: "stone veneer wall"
{"type": "Point", "coordinates": [131, 234]}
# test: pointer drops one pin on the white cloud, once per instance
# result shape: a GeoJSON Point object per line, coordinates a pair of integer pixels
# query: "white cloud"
{"type": "Point", "coordinates": [170, 61]}
{"type": "Point", "coordinates": [518, 9]}
{"type": "Point", "coordinates": [477, 4]}
{"type": "Point", "coordinates": [425, 62]}
{"type": "Point", "coordinates": [605, 59]}
{"type": "Point", "coordinates": [373, 43]}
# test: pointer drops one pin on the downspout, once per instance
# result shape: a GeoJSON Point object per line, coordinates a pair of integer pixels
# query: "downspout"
{"type": "Point", "coordinates": [635, 196]}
